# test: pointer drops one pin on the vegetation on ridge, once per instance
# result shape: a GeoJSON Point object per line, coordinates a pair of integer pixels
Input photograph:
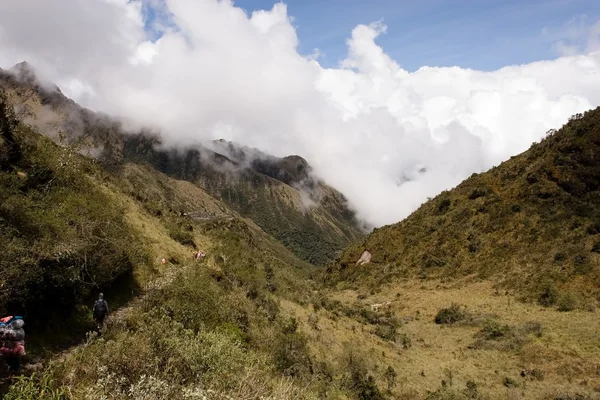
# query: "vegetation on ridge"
{"type": "Point", "coordinates": [531, 224]}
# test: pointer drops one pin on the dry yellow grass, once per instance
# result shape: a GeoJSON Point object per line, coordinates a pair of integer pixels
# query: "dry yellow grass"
{"type": "Point", "coordinates": [567, 353]}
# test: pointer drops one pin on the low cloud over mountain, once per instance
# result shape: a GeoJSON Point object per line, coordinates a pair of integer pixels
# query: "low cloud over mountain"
{"type": "Point", "coordinates": [385, 137]}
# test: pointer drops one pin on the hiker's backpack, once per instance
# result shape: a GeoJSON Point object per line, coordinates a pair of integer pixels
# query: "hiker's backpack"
{"type": "Point", "coordinates": [5, 321]}
{"type": "Point", "coordinates": [100, 308]}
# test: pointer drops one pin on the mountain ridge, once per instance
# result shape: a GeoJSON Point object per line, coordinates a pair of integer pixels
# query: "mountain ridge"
{"type": "Point", "coordinates": [528, 223]}
{"type": "Point", "coordinates": [280, 194]}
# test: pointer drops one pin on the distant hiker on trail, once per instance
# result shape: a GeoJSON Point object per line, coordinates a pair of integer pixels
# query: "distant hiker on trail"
{"type": "Point", "coordinates": [12, 342]}
{"type": "Point", "coordinates": [100, 312]}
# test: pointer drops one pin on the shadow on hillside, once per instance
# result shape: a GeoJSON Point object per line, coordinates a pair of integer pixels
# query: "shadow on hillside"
{"type": "Point", "coordinates": [60, 332]}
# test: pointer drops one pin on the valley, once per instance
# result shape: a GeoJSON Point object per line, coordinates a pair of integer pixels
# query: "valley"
{"type": "Point", "coordinates": [487, 291]}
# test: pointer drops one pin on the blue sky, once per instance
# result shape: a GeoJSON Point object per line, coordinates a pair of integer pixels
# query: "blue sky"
{"type": "Point", "coordinates": [478, 34]}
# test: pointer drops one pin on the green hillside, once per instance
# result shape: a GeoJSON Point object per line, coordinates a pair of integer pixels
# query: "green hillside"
{"type": "Point", "coordinates": [530, 224]}
{"type": "Point", "coordinates": [265, 192]}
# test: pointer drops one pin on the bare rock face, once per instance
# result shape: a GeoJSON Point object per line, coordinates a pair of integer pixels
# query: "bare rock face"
{"type": "Point", "coordinates": [365, 258]}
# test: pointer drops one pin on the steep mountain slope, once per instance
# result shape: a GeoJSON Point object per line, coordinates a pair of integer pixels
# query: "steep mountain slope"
{"type": "Point", "coordinates": [531, 224]}
{"type": "Point", "coordinates": [71, 229]}
{"type": "Point", "coordinates": [279, 194]}
{"type": "Point", "coordinates": [306, 215]}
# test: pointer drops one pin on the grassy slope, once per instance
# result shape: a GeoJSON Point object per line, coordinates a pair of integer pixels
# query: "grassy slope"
{"type": "Point", "coordinates": [505, 349]}
{"type": "Point", "coordinates": [531, 223]}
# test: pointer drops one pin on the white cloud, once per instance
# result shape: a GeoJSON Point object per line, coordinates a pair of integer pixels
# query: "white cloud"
{"type": "Point", "coordinates": [385, 137]}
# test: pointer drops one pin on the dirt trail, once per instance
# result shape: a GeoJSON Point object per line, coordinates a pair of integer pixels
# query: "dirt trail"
{"type": "Point", "coordinates": [37, 364]}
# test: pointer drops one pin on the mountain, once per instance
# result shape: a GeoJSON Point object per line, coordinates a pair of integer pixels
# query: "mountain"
{"type": "Point", "coordinates": [281, 195]}
{"type": "Point", "coordinates": [70, 228]}
{"type": "Point", "coordinates": [531, 224]}
{"type": "Point", "coordinates": [424, 317]}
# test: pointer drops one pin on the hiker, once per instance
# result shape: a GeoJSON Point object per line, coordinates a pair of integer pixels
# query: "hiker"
{"type": "Point", "coordinates": [100, 312]}
{"type": "Point", "coordinates": [12, 337]}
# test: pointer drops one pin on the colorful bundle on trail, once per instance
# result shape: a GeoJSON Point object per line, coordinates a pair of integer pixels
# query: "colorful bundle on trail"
{"type": "Point", "coordinates": [5, 321]}
{"type": "Point", "coordinates": [12, 338]}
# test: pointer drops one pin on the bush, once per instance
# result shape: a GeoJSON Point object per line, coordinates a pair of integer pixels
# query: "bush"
{"type": "Point", "coordinates": [568, 302]}
{"type": "Point", "coordinates": [359, 381]}
{"type": "Point", "coordinates": [471, 390]}
{"type": "Point", "coordinates": [477, 193]}
{"type": "Point", "coordinates": [387, 332]}
{"type": "Point", "coordinates": [560, 256]}
{"type": "Point", "coordinates": [533, 327]}
{"type": "Point", "coordinates": [502, 337]}
{"type": "Point", "coordinates": [450, 315]}
{"type": "Point", "coordinates": [548, 295]}
{"type": "Point", "coordinates": [291, 355]}
{"type": "Point", "coordinates": [493, 330]}
{"type": "Point", "coordinates": [390, 376]}
{"type": "Point", "coordinates": [444, 206]}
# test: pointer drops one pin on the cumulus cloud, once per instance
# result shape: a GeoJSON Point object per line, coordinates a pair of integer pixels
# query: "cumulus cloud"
{"type": "Point", "coordinates": [385, 137]}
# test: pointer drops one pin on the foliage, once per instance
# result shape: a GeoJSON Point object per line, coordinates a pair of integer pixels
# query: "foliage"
{"type": "Point", "coordinates": [36, 388]}
{"type": "Point", "coordinates": [450, 315]}
{"type": "Point", "coordinates": [503, 337]}
{"type": "Point", "coordinates": [548, 295]}
{"type": "Point", "coordinates": [359, 380]}
{"type": "Point", "coordinates": [568, 301]}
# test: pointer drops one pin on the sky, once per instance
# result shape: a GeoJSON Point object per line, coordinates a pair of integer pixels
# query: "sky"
{"type": "Point", "coordinates": [479, 34]}
{"type": "Point", "coordinates": [391, 103]}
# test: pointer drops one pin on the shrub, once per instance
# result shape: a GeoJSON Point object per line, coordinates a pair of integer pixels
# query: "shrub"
{"type": "Point", "coordinates": [497, 336]}
{"type": "Point", "coordinates": [387, 332]}
{"type": "Point", "coordinates": [533, 374]}
{"type": "Point", "coordinates": [444, 206]}
{"type": "Point", "coordinates": [568, 302]}
{"type": "Point", "coordinates": [593, 229]}
{"type": "Point", "coordinates": [181, 235]}
{"type": "Point", "coordinates": [359, 381]}
{"type": "Point", "coordinates": [450, 315]}
{"type": "Point", "coordinates": [493, 330]}
{"type": "Point", "coordinates": [560, 256]}
{"type": "Point", "coordinates": [477, 193]}
{"type": "Point", "coordinates": [471, 390]}
{"type": "Point", "coordinates": [548, 295]}
{"type": "Point", "coordinates": [291, 356]}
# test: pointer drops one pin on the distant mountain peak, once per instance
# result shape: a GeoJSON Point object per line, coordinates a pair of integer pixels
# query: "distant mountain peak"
{"type": "Point", "coordinates": [26, 73]}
